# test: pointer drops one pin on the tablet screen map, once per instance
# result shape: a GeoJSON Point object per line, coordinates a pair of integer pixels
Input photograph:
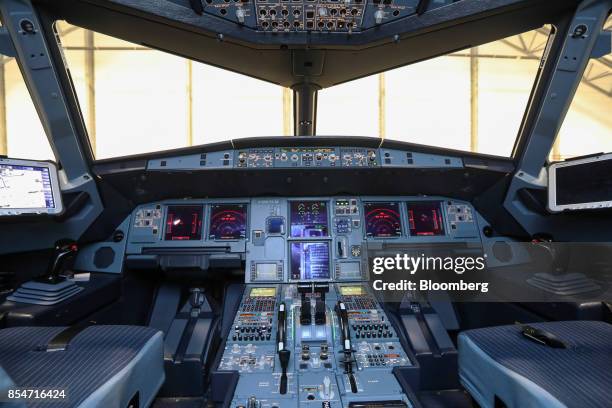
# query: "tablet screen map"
{"type": "Point", "coordinates": [25, 187]}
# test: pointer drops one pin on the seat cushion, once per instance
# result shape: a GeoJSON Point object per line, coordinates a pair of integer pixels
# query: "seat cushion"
{"type": "Point", "coordinates": [102, 365]}
{"type": "Point", "coordinates": [501, 362]}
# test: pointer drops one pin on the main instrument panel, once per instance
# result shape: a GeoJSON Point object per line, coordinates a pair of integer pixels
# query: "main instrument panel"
{"type": "Point", "coordinates": [293, 239]}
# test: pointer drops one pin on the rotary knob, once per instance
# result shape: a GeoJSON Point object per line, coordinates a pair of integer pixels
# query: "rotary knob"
{"type": "Point", "coordinates": [240, 15]}
{"type": "Point", "coordinates": [378, 16]}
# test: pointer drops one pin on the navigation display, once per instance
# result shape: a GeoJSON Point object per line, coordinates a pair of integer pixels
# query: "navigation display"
{"type": "Point", "coordinates": [425, 218]}
{"type": "Point", "coordinates": [26, 188]}
{"type": "Point", "coordinates": [310, 260]}
{"type": "Point", "coordinates": [228, 221]}
{"type": "Point", "coordinates": [184, 223]}
{"type": "Point", "coordinates": [382, 220]}
{"type": "Point", "coordinates": [262, 292]}
{"type": "Point", "coordinates": [308, 219]}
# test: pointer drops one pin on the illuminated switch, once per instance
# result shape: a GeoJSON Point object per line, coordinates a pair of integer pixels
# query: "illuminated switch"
{"type": "Point", "coordinates": [240, 15]}
{"type": "Point", "coordinates": [378, 16]}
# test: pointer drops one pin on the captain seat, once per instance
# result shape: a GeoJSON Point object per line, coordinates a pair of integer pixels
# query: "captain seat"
{"type": "Point", "coordinates": [500, 366]}
{"type": "Point", "coordinates": [100, 366]}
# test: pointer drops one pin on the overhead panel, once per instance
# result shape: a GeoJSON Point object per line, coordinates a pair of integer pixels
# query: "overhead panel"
{"type": "Point", "coordinates": [312, 15]}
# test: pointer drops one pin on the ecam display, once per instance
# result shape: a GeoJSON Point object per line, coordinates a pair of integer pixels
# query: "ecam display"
{"type": "Point", "coordinates": [309, 219]}
{"type": "Point", "coordinates": [425, 218]}
{"type": "Point", "coordinates": [228, 221]}
{"type": "Point", "coordinates": [310, 260]}
{"type": "Point", "coordinates": [382, 220]}
{"type": "Point", "coordinates": [184, 223]}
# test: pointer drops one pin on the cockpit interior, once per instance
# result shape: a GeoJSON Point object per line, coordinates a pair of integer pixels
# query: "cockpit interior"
{"type": "Point", "coordinates": [305, 203]}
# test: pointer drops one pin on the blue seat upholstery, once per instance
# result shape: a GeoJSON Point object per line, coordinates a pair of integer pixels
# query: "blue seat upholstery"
{"type": "Point", "coordinates": [103, 366]}
{"type": "Point", "coordinates": [499, 362]}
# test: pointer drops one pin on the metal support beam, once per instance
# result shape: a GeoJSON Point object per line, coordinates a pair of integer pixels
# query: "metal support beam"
{"type": "Point", "coordinates": [382, 106]}
{"type": "Point", "coordinates": [558, 90]}
{"type": "Point", "coordinates": [305, 109]}
{"type": "Point", "coordinates": [90, 86]}
{"type": "Point", "coordinates": [564, 81]}
{"type": "Point", "coordinates": [33, 57]}
{"type": "Point", "coordinates": [40, 63]}
{"type": "Point", "coordinates": [287, 111]}
{"type": "Point", "coordinates": [474, 99]}
{"type": "Point", "coordinates": [189, 103]}
{"type": "Point", "coordinates": [3, 124]}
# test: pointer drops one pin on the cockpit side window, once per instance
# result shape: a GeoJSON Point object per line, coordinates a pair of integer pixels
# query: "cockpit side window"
{"type": "Point", "coordinates": [21, 132]}
{"type": "Point", "coordinates": [587, 127]}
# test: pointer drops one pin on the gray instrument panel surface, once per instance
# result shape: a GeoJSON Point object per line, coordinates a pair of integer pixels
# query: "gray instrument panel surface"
{"type": "Point", "coordinates": [316, 375]}
{"type": "Point", "coordinates": [305, 157]}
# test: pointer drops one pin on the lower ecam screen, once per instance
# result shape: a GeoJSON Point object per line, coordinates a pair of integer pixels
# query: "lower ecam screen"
{"type": "Point", "coordinates": [310, 260]}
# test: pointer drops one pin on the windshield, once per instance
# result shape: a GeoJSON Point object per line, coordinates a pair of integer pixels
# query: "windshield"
{"type": "Point", "coordinates": [472, 100]}
{"type": "Point", "coordinates": [138, 100]}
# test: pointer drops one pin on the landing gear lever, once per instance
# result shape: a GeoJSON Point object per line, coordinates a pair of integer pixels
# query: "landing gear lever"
{"type": "Point", "coordinates": [283, 353]}
{"type": "Point", "coordinates": [347, 347]}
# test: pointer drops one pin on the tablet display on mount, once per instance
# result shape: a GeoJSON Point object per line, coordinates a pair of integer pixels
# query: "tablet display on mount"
{"type": "Point", "coordinates": [29, 187]}
{"type": "Point", "coordinates": [581, 184]}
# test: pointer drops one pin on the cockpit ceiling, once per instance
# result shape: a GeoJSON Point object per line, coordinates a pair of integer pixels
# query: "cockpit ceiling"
{"type": "Point", "coordinates": [323, 55]}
